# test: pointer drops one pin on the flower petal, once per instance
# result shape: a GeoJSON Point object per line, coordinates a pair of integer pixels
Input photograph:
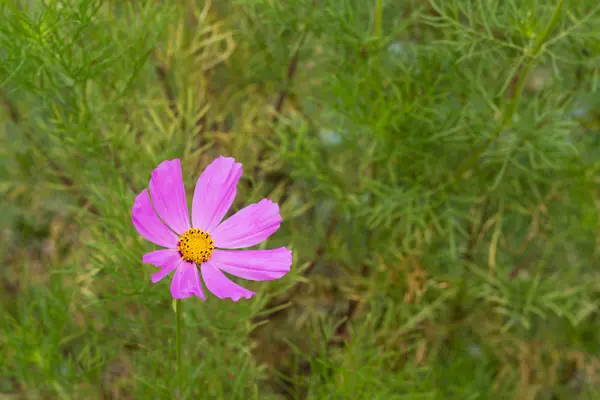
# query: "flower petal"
{"type": "Point", "coordinates": [249, 226]}
{"type": "Point", "coordinates": [186, 282]}
{"type": "Point", "coordinates": [168, 260]}
{"type": "Point", "coordinates": [219, 285]}
{"type": "Point", "coordinates": [168, 195]}
{"type": "Point", "coordinates": [255, 265]}
{"type": "Point", "coordinates": [148, 224]}
{"type": "Point", "coordinates": [214, 193]}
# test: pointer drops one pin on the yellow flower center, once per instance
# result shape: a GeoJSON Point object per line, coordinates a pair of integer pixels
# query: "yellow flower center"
{"type": "Point", "coordinates": [195, 245]}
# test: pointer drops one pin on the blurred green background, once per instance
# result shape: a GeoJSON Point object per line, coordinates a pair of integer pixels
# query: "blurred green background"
{"type": "Point", "coordinates": [437, 164]}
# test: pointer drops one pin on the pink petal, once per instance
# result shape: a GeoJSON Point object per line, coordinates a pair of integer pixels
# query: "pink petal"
{"type": "Point", "coordinates": [249, 226]}
{"type": "Point", "coordinates": [168, 195]}
{"type": "Point", "coordinates": [186, 282]}
{"type": "Point", "coordinates": [149, 225]}
{"type": "Point", "coordinates": [168, 260]}
{"type": "Point", "coordinates": [255, 265]}
{"type": "Point", "coordinates": [214, 193]}
{"type": "Point", "coordinates": [219, 285]}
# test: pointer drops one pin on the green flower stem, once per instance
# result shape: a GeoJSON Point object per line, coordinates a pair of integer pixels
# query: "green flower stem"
{"type": "Point", "coordinates": [378, 14]}
{"type": "Point", "coordinates": [178, 311]}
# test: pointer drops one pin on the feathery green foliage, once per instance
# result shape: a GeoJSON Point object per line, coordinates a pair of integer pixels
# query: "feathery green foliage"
{"type": "Point", "coordinates": [437, 164]}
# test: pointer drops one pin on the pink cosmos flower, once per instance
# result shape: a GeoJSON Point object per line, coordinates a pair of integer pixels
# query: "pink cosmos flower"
{"type": "Point", "coordinates": [164, 220]}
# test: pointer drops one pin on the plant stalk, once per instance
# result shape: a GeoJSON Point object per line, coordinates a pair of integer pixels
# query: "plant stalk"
{"type": "Point", "coordinates": [378, 15]}
{"type": "Point", "coordinates": [178, 312]}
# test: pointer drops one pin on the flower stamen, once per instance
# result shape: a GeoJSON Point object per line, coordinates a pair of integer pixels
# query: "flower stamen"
{"type": "Point", "coordinates": [195, 245]}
